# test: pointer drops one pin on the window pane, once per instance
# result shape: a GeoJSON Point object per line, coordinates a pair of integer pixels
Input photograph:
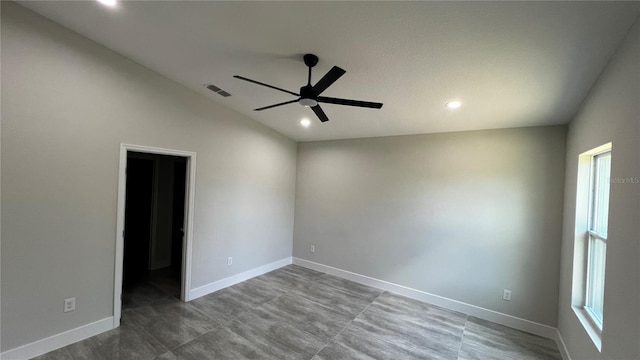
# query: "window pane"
{"type": "Point", "coordinates": [595, 279]}
{"type": "Point", "coordinates": [600, 200]}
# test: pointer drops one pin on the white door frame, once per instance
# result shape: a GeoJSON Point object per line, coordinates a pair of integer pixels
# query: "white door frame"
{"type": "Point", "coordinates": [188, 221]}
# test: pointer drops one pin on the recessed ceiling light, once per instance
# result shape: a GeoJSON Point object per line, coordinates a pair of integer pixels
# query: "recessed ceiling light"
{"type": "Point", "coordinates": [453, 104]}
{"type": "Point", "coordinates": [305, 122]}
{"type": "Point", "coordinates": [111, 3]}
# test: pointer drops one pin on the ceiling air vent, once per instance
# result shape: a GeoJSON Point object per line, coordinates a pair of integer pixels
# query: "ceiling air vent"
{"type": "Point", "coordinates": [217, 90]}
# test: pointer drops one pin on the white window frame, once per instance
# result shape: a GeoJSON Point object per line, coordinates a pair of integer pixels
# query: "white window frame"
{"type": "Point", "coordinates": [595, 316]}
{"type": "Point", "coordinates": [592, 322]}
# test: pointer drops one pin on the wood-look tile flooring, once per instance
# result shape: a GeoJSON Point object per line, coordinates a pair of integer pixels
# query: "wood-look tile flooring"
{"type": "Point", "coordinates": [296, 313]}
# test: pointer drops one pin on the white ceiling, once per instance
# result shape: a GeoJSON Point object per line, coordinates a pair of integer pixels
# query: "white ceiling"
{"type": "Point", "coordinates": [512, 64]}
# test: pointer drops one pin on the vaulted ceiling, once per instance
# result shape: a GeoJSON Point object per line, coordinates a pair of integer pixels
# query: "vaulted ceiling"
{"type": "Point", "coordinates": [511, 64]}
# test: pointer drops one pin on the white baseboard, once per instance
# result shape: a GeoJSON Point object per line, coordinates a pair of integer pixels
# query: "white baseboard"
{"type": "Point", "coordinates": [232, 280]}
{"type": "Point", "coordinates": [57, 341]}
{"type": "Point", "coordinates": [69, 337]}
{"type": "Point", "coordinates": [482, 313]}
{"type": "Point", "coordinates": [562, 346]}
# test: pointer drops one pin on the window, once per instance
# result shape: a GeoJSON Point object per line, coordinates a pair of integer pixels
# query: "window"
{"type": "Point", "coordinates": [590, 247]}
{"type": "Point", "coordinates": [597, 232]}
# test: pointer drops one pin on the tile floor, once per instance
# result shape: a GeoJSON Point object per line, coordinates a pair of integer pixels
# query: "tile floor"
{"type": "Point", "coordinates": [296, 313]}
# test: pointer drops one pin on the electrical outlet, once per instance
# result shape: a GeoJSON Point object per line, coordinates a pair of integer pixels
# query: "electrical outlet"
{"type": "Point", "coordinates": [229, 261]}
{"type": "Point", "coordinates": [313, 248]}
{"type": "Point", "coordinates": [69, 304]}
{"type": "Point", "coordinates": [506, 295]}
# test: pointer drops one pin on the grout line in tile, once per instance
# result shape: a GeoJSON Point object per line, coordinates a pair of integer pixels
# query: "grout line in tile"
{"type": "Point", "coordinates": [154, 338]}
{"type": "Point", "coordinates": [464, 329]}
{"type": "Point", "coordinates": [209, 321]}
{"type": "Point", "coordinates": [346, 325]}
{"type": "Point", "coordinates": [195, 338]}
{"type": "Point", "coordinates": [253, 308]}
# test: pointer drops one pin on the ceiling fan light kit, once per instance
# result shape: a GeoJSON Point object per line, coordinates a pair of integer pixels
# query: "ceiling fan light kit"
{"type": "Point", "coordinates": [309, 95]}
{"type": "Point", "coordinates": [308, 102]}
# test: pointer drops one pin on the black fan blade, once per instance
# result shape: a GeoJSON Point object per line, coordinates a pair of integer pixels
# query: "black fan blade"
{"type": "Point", "coordinates": [328, 79]}
{"type": "Point", "coordinates": [274, 105]}
{"type": "Point", "coordinates": [348, 102]}
{"type": "Point", "coordinates": [319, 113]}
{"type": "Point", "coordinates": [263, 84]}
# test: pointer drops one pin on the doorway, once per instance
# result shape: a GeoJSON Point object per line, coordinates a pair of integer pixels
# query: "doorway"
{"type": "Point", "coordinates": [153, 229]}
{"type": "Point", "coordinates": [153, 247]}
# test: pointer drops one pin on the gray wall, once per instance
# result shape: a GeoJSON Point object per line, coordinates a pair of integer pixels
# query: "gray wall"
{"type": "Point", "coordinates": [460, 215]}
{"type": "Point", "coordinates": [611, 113]}
{"type": "Point", "coordinates": [67, 104]}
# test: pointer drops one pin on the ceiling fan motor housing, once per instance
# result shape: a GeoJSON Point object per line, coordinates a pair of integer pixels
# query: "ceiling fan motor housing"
{"type": "Point", "coordinates": [308, 97]}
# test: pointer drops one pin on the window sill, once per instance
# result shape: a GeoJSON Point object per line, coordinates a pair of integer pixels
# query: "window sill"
{"type": "Point", "coordinates": [592, 330]}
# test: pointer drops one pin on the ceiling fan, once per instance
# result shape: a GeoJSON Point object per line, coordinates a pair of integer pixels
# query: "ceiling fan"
{"type": "Point", "coordinates": [310, 95]}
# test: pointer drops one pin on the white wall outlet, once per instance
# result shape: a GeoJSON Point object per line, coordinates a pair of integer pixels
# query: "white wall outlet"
{"type": "Point", "coordinates": [69, 304]}
{"type": "Point", "coordinates": [313, 248]}
{"type": "Point", "coordinates": [506, 295]}
{"type": "Point", "coordinates": [229, 261]}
